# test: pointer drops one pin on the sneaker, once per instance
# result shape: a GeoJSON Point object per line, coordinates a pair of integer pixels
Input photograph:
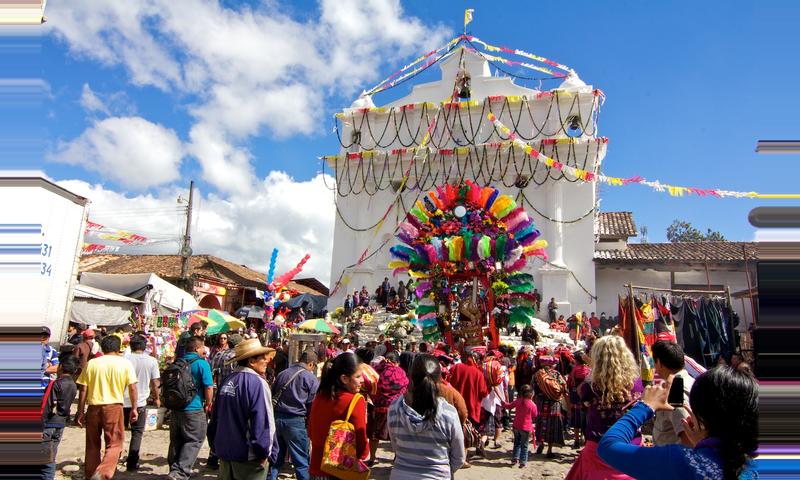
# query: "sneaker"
{"type": "Point", "coordinates": [514, 461]}
{"type": "Point", "coordinates": [521, 465]}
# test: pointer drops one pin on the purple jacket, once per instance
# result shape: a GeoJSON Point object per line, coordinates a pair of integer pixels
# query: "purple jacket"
{"type": "Point", "coordinates": [242, 426]}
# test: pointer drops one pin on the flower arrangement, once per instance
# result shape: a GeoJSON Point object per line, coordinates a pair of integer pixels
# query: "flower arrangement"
{"type": "Point", "coordinates": [466, 230]}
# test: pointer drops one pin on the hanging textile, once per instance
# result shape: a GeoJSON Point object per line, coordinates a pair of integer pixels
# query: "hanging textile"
{"type": "Point", "coordinates": [665, 326]}
{"type": "Point", "coordinates": [632, 331]}
{"type": "Point", "coordinates": [648, 322]}
{"type": "Point", "coordinates": [644, 321]}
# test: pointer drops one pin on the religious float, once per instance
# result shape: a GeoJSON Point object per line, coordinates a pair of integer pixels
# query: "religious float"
{"type": "Point", "coordinates": [465, 246]}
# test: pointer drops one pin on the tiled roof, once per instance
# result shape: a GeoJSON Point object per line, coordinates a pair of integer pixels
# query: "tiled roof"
{"type": "Point", "coordinates": [615, 225]}
{"type": "Point", "coordinates": [168, 267]}
{"type": "Point", "coordinates": [682, 252]}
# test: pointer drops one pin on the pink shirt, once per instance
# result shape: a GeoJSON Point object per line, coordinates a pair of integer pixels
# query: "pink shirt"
{"type": "Point", "coordinates": [526, 412]}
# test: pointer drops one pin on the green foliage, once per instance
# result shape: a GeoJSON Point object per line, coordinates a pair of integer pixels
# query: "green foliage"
{"type": "Point", "coordinates": [683, 231]}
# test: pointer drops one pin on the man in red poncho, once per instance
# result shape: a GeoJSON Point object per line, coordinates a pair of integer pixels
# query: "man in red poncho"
{"type": "Point", "coordinates": [468, 379]}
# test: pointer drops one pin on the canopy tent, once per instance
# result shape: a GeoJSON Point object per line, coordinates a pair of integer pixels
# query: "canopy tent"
{"type": "Point", "coordinates": [93, 306]}
{"type": "Point", "coordinates": [317, 303]}
{"type": "Point", "coordinates": [154, 291]}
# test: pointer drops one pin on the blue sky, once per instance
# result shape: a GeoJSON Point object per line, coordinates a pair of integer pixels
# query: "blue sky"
{"type": "Point", "coordinates": [690, 87]}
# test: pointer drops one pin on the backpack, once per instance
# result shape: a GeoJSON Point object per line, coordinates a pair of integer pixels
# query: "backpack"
{"type": "Point", "coordinates": [549, 385]}
{"type": "Point", "coordinates": [177, 384]}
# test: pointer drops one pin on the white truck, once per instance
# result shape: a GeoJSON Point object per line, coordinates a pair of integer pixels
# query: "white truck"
{"type": "Point", "coordinates": [41, 236]}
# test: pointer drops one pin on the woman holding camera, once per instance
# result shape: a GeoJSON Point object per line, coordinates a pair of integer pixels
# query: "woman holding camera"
{"type": "Point", "coordinates": [723, 426]}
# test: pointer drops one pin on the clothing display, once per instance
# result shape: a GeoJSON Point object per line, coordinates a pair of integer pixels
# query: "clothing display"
{"type": "Point", "coordinates": [701, 325]}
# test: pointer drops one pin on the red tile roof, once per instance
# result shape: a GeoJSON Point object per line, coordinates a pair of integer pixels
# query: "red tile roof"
{"type": "Point", "coordinates": [682, 252]}
{"type": "Point", "coordinates": [615, 225]}
{"type": "Point", "coordinates": [168, 267]}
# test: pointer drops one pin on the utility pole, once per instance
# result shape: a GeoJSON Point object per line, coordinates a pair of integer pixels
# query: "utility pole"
{"type": "Point", "coordinates": [186, 249]}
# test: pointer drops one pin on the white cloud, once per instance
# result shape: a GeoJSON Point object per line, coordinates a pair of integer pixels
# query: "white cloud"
{"type": "Point", "coordinates": [91, 102]}
{"type": "Point", "coordinates": [108, 104]}
{"type": "Point", "coordinates": [244, 71]}
{"type": "Point", "coordinates": [243, 231]}
{"type": "Point", "coordinates": [129, 150]}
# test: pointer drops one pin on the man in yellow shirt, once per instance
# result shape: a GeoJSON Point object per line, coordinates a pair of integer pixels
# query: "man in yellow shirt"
{"type": "Point", "coordinates": [102, 385]}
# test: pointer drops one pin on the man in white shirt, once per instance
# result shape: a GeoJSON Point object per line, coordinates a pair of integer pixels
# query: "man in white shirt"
{"type": "Point", "coordinates": [146, 368]}
{"type": "Point", "coordinates": [669, 361]}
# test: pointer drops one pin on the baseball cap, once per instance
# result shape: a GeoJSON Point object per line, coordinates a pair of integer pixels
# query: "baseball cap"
{"type": "Point", "coordinates": [88, 333]}
{"type": "Point", "coordinates": [45, 331]}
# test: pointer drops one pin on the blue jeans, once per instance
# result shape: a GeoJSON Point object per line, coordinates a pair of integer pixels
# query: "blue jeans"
{"type": "Point", "coordinates": [292, 436]}
{"type": "Point", "coordinates": [51, 438]}
{"type": "Point", "coordinates": [521, 439]}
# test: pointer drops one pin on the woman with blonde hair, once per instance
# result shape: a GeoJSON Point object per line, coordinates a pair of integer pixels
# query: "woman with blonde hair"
{"type": "Point", "coordinates": [611, 388]}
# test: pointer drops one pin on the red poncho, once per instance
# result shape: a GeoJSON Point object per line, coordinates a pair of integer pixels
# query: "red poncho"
{"type": "Point", "coordinates": [468, 380]}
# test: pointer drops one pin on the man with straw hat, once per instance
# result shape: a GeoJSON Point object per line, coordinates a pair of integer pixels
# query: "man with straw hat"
{"type": "Point", "coordinates": [242, 428]}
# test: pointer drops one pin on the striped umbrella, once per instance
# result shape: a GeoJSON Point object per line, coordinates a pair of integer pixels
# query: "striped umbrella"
{"type": "Point", "coordinates": [320, 325]}
{"type": "Point", "coordinates": [218, 321]}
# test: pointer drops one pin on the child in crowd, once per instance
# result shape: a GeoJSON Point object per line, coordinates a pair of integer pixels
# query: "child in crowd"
{"type": "Point", "coordinates": [523, 424]}
{"type": "Point", "coordinates": [56, 409]}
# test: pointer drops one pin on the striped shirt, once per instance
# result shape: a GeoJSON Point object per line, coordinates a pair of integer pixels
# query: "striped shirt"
{"type": "Point", "coordinates": [425, 450]}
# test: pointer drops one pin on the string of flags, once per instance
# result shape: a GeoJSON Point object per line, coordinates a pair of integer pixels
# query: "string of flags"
{"type": "Point", "coordinates": [102, 239]}
{"type": "Point", "coordinates": [656, 185]}
{"type": "Point", "coordinates": [409, 70]}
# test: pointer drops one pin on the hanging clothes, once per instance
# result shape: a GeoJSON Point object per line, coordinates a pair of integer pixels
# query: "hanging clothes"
{"type": "Point", "coordinates": [648, 322]}
{"type": "Point", "coordinates": [627, 326]}
{"type": "Point", "coordinates": [695, 337]}
{"type": "Point", "coordinates": [665, 327]}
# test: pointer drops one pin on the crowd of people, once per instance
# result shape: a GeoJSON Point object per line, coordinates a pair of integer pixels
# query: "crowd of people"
{"type": "Point", "coordinates": [438, 406]}
{"type": "Point", "coordinates": [390, 298]}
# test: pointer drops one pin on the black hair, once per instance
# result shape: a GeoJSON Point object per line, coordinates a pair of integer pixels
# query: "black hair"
{"type": "Point", "coordinates": [392, 357]}
{"type": "Point", "coordinates": [365, 354]}
{"type": "Point", "coordinates": [426, 373]}
{"type": "Point", "coordinates": [526, 391]}
{"type": "Point", "coordinates": [719, 396]}
{"type": "Point", "coordinates": [70, 364]}
{"type": "Point", "coordinates": [138, 343]}
{"type": "Point", "coordinates": [670, 354]}
{"type": "Point", "coordinates": [194, 344]}
{"type": "Point", "coordinates": [331, 383]}
{"type": "Point", "coordinates": [581, 358]}
{"type": "Point", "coordinates": [202, 324]}
{"type": "Point", "coordinates": [110, 344]}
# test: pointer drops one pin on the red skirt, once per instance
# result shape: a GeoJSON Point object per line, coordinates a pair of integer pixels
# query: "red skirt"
{"type": "Point", "coordinates": [589, 466]}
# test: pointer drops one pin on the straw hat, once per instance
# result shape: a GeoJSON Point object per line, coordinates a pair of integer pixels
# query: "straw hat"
{"type": "Point", "coordinates": [250, 348]}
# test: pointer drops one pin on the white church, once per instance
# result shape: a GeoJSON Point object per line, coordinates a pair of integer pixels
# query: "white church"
{"type": "Point", "coordinates": [434, 140]}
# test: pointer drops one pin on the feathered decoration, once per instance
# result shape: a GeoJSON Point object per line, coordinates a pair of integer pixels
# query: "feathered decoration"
{"type": "Point", "coordinates": [410, 230]}
{"type": "Point", "coordinates": [431, 252]}
{"type": "Point", "coordinates": [398, 264]}
{"type": "Point", "coordinates": [522, 315]}
{"type": "Point", "coordinates": [518, 265]}
{"type": "Point", "coordinates": [401, 252]}
{"type": "Point", "coordinates": [422, 288]}
{"type": "Point", "coordinates": [519, 278]}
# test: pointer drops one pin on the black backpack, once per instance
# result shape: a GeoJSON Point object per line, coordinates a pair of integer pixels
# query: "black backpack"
{"type": "Point", "coordinates": [177, 384]}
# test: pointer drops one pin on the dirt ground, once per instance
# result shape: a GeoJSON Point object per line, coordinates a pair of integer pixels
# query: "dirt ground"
{"type": "Point", "coordinates": [153, 464]}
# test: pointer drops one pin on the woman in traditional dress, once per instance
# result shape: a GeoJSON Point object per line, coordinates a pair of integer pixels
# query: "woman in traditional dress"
{"type": "Point", "coordinates": [612, 387]}
{"type": "Point", "coordinates": [577, 409]}
{"type": "Point", "coordinates": [549, 387]}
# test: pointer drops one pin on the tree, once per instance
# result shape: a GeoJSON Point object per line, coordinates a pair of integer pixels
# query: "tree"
{"type": "Point", "coordinates": [683, 231]}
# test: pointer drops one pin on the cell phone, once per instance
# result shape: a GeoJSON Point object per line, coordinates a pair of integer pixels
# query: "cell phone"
{"type": "Point", "coordinates": [676, 392]}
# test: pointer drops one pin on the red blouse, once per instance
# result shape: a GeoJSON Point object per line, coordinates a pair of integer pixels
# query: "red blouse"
{"type": "Point", "coordinates": [325, 411]}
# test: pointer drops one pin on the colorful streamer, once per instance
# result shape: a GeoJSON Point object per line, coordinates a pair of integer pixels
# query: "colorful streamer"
{"type": "Point", "coordinates": [586, 176]}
